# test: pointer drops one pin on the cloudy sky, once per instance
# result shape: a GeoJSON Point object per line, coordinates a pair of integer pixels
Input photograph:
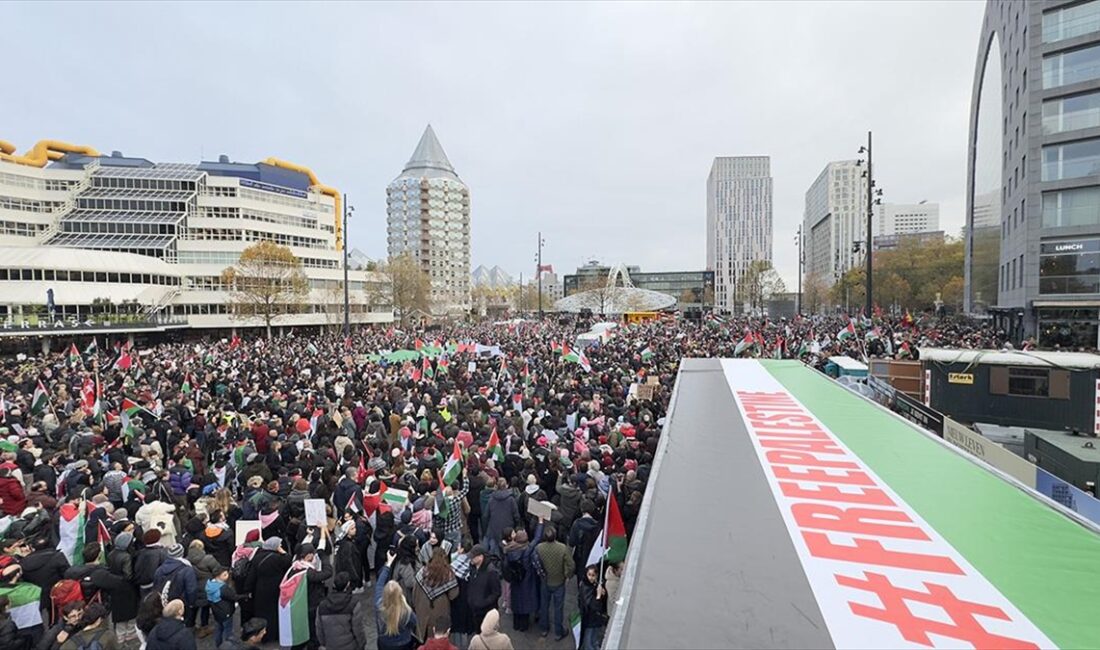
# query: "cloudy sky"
{"type": "Point", "coordinates": [595, 123]}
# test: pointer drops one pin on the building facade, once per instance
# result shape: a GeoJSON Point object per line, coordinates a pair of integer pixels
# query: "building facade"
{"type": "Point", "coordinates": [693, 290]}
{"type": "Point", "coordinates": [835, 221]}
{"type": "Point", "coordinates": [428, 215]}
{"type": "Point", "coordinates": [905, 219]}
{"type": "Point", "coordinates": [1033, 181]}
{"type": "Point", "coordinates": [739, 222]}
{"type": "Point", "coordinates": [83, 233]}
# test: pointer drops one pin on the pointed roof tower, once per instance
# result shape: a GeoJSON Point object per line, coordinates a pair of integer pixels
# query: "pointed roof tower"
{"type": "Point", "coordinates": [429, 160]}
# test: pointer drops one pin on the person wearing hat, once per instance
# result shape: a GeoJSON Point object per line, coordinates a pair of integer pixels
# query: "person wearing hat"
{"type": "Point", "coordinates": [125, 599]}
{"type": "Point", "coordinates": [265, 572]}
{"type": "Point", "coordinates": [483, 588]}
{"type": "Point", "coordinates": [148, 559]}
{"type": "Point", "coordinates": [95, 629]}
{"type": "Point", "coordinates": [176, 578]}
{"type": "Point", "coordinates": [170, 633]}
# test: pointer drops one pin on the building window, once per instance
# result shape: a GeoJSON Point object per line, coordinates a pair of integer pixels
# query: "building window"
{"type": "Point", "coordinates": [1071, 113]}
{"type": "Point", "coordinates": [1029, 382]}
{"type": "Point", "coordinates": [1071, 21]}
{"type": "Point", "coordinates": [1071, 67]}
{"type": "Point", "coordinates": [1076, 207]}
{"type": "Point", "coordinates": [1069, 266]}
{"type": "Point", "coordinates": [1071, 160]}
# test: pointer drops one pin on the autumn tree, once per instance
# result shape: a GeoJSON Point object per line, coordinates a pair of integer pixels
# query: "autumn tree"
{"type": "Point", "coordinates": [912, 276]}
{"type": "Point", "coordinates": [759, 283]}
{"type": "Point", "coordinates": [408, 288]}
{"type": "Point", "coordinates": [266, 283]}
{"type": "Point", "coordinates": [814, 293]}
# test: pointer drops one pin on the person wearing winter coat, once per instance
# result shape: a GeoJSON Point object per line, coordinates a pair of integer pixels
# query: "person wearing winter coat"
{"type": "Point", "coordinates": [222, 599]}
{"type": "Point", "coordinates": [569, 501]}
{"type": "Point", "coordinates": [177, 577]}
{"type": "Point", "coordinates": [393, 617]}
{"type": "Point", "coordinates": [44, 567]}
{"type": "Point", "coordinates": [95, 629]}
{"type": "Point", "coordinates": [217, 538]}
{"type": "Point", "coordinates": [483, 589]}
{"type": "Point", "coordinates": [519, 563]}
{"type": "Point", "coordinates": [14, 498]}
{"type": "Point", "coordinates": [125, 599]}
{"type": "Point", "coordinates": [160, 516]}
{"type": "Point", "coordinates": [582, 536]}
{"type": "Point", "coordinates": [205, 568]}
{"type": "Point", "coordinates": [592, 603]}
{"type": "Point", "coordinates": [170, 633]}
{"type": "Point", "coordinates": [9, 633]}
{"type": "Point", "coordinates": [503, 512]}
{"type": "Point", "coordinates": [94, 577]}
{"type": "Point", "coordinates": [348, 557]}
{"type": "Point", "coordinates": [491, 638]}
{"type": "Point", "coordinates": [69, 623]}
{"type": "Point", "coordinates": [265, 572]}
{"type": "Point", "coordinates": [339, 625]}
{"type": "Point", "coordinates": [407, 564]}
{"type": "Point", "coordinates": [179, 478]}
{"type": "Point", "coordinates": [436, 587]}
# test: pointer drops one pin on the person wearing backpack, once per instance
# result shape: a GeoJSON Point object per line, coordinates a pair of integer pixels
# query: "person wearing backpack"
{"type": "Point", "coordinates": [519, 572]}
{"type": "Point", "coordinates": [97, 582]}
{"type": "Point", "coordinates": [69, 623]}
{"type": "Point", "coordinates": [176, 579]}
{"type": "Point", "coordinates": [96, 634]}
{"type": "Point", "coordinates": [222, 598]}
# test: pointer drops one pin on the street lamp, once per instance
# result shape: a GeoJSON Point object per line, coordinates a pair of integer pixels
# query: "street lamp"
{"type": "Point", "coordinates": [801, 265]}
{"type": "Point", "coordinates": [348, 209]}
{"type": "Point", "coordinates": [873, 198]}
{"type": "Point", "coordinates": [538, 271]}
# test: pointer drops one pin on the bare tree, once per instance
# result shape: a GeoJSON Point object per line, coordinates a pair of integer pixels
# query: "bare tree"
{"type": "Point", "coordinates": [266, 283]}
{"type": "Point", "coordinates": [759, 283]}
{"type": "Point", "coordinates": [409, 287]}
{"type": "Point", "coordinates": [595, 294]}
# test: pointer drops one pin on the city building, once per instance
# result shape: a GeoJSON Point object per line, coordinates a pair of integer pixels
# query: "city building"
{"type": "Point", "coordinates": [428, 215]}
{"type": "Point", "coordinates": [892, 242]}
{"type": "Point", "coordinates": [739, 222]}
{"type": "Point", "coordinates": [693, 290]}
{"type": "Point", "coordinates": [1033, 172]}
{"type": "Point", "coordinates": [834, 223]}
{"type": "Point", "coordinates": [552, 287]}
{"type": "Point", "coordinates": [85, 235]}
{"type": "Point", "coordinates": [905, 219]}
{"type": "Point", "coordinates": [495, 277]}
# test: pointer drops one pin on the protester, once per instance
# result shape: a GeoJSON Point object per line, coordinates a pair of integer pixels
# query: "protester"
{"type": "Point", "coordinates": [222, 599]}
{"type": "Point", "coordinates": [491, 638]}
{"type": "Point", "coordinates": [436, 587]}
{"type": "Point", "coordinates": [440, 635]}
{"type": "Point", "coordinates": [170, 633]}
{"type": "Point", "coordinates": [252, 634]}
{"type": "Point", "coordinates": [395, 619]}
{"type": "Point", "coordinates": [556, 565]}
{"type": "Point", "coordinates": [95, 631]}
{"type": "Point", "coordinates": [339, 625]}
{"type": "Point", "coordinates": [592, 603]}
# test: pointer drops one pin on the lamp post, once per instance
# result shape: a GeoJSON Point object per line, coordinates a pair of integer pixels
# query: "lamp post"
{"type": "Point", "coordinates": [801, 265]}
{"type": "Point", "coordinates": [347, 303]}
{"type": "Point", "coordinates": [538, 270]}
{"type": "Point", "coordinates": [873, 198]}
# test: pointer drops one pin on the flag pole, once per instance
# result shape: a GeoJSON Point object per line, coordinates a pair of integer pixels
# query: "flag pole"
{"type": "Point", "coordinates": [603, 535]}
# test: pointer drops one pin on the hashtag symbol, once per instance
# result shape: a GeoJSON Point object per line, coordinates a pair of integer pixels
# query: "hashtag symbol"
{"type": "Point", "coordinates": [964, 625]}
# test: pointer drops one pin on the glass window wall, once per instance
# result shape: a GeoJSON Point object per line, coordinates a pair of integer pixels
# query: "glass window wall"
{"type": "Point", "coordinates": [1071, 67]}
{"type": "Point", "coordinates": [1076, 207]}
{"type": "Point", "coordinates": [1071, 113]}
{"type": "Point", "coordinates": [1071, 160]}
{"type": "Point", "coordinates": [1071, 21]}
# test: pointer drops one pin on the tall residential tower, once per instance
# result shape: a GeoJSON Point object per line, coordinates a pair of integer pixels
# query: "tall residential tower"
{"type": "Point", "coordinates": [739, 222]}
{"type": "Point", "coordinates": [835, 219]}
{"type": "Point", "coordinates": [1033, 181]}
{"type": "Point", "coordinates": [428, 214]}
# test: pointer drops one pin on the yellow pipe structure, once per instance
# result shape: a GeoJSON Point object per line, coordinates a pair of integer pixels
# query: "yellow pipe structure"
{"type": "Point", "coordinates": [42, 152]}
{"type": "Point", "coordinates": [323, 189]}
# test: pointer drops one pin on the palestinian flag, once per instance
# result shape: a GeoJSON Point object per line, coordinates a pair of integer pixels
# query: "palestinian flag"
{"type": "Point", "coordinates": [98, 408]}
{"type": "Point", "coordinates": [517, 402]}
{"type": "Point", "coordinates": [23, 602]}
{"type": "Point", "coordinates": [294, 607]}
{"type": "Point", "coordinates": [452, 469]}
{"type": "Point", "coordinates": [395, 499]}
{"type": "Point", "coordinates": [526, 373]}
{"type": "Point", "coordinates": [441, 507]}
{"type": "Point", "coordinates": [744, 344]}
{"type": "Point", "coordinates": [777, 353]}
{"type": "Point", "coordinates": [103, 536]}
{"type": "Point", "coordinates": [87, 396]}
{"type": "Point", "coordinates": [426, 369]}
{"type": "Point", "coordinates": [129, 409]}
{"type": "Point", "coordinates": [40, 400]}
{"type": "Point", "coordinates": [418, 345]}
{"type": "Point", "coordinates": [575, 625]}
{"type": "Point", "coordinates": [74, 355]}
{"type": "Point", "coordinates": [123, 362]}
{"type": "Point", "coordinates": [234, 342]}
{"type": "Point", "coordinates": [71, 531]}
{"type": "Point", "coordinates": [576, 356]}
{"type": "Point", "coordinates": [188, 384]}
{"type": "Point", "coordinates": [443, 365]}
{"type": "Point", "coordinates": [312, 349]}
{"type": "Point", "coordinates": [494, 448]}
{"type": "Point", "coordinates": [904, 351]}
{"type": "Point", "coordinates": [848, 332]}
{"type": "Point", "coordinates": [583, 360]}
{"type": "Point", "coordinates": [92, 348]}
{"type": "Point", "coordinates": [647, 353]}
{"type": "Point", "coordinates": [611, 544]}
{"type": "Point", "coordinates": [555, 346]}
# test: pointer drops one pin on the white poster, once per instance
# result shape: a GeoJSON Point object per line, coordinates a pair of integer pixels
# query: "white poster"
{"type": "Point", "coordinates": [315, 513]}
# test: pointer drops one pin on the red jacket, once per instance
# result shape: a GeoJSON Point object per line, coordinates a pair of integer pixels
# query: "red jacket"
{"type": "Point", "coordinates": [15, 500]}
{"type": "Point", "coordinates": [259, 435]}
{"type": "Point", "coordinates": [438, 644]}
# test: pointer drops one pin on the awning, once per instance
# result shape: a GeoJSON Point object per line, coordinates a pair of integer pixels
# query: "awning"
{"type": "Point", "coordinates": [1066, 303]}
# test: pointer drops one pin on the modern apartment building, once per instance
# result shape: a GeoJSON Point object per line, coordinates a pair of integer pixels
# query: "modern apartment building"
{"type": "Point", "coordinates": [85, 233]}
{"type": "Point", "coordinates": [739, 222]}
{"type": "Point", "coordinates": [1033, 177]}
{"type": "Point", "coordinates": [905, 219]}
{"type": "Point", "coordinates": [428, 215]}
{"type": "Point", "coordinates": [834, 224]}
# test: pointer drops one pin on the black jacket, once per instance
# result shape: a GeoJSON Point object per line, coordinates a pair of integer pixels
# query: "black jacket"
{"type": "Point", "coordinates": [146, 563]}
{"type": "Point", "coordinates": [170, 634]}
{"type": "Point", "coordinates": [593, 610]}
{"type": "Point", "coordinates": [483, 589]}
{"type": "Point", "coordinates": [340, 622]}
{"type": "Point", "coordinates": [44, 568]}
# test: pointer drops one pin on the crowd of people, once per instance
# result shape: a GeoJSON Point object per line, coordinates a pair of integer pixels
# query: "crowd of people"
{"type": "Point", "coordinates": [161, 494]}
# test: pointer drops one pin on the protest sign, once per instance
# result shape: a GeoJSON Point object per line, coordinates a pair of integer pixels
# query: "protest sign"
{"type": "Point", "coordinates": [541, 509]}
{"type": "Point", "coordinates": [243, 526]}
{"type": "Point", "coordinates": [315, 512]}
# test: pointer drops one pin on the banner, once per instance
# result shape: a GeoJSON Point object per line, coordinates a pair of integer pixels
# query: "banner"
{"type": "Point", "coordinates": [1068, 495]}
{"type": "Point", "coordinates": [913, 410]}
{"type": "Point", "coordinates": [981, 447]}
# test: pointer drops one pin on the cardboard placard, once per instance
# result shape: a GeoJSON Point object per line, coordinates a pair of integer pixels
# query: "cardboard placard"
{"type": "Point", "coordinates": [243, 526]}
{"type": "Point", "coordinates": [471, 367]}
{"type": "Point", "coordinates": [645, 392]}
{"type": "Point", "coordinates": [315, 513]}
{"type": "Point", "coordinates": [652, 380]}
{"type": "Point", "coordinates": [543, 509]}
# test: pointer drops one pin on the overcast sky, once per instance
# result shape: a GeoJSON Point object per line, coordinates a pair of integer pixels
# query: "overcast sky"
{"type": "Point", "coordinates": [596, 123]}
